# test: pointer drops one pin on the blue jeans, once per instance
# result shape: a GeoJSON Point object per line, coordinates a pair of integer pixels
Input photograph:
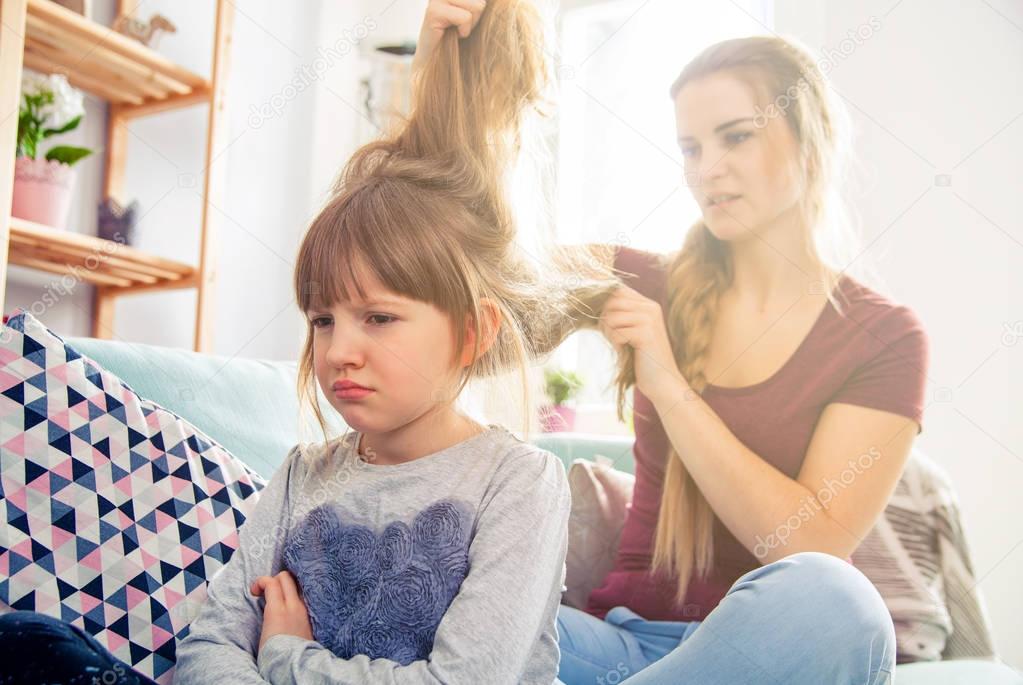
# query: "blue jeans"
{"type": "Point", "coordinates": [36, 648]}
{"type": "Point", "coordinates": [808, 618]}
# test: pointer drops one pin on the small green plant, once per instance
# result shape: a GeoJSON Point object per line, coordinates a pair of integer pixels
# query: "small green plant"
{"type": "Point", "coordinates": [49, 107]}
{"type": "Point", "coordinates": [561, 386]}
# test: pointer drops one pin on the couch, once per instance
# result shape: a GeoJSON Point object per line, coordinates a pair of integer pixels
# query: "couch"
{"type": "Point", "coordinates": [249, 406]}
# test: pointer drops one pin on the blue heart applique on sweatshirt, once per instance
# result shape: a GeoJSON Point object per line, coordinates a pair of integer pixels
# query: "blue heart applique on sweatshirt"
{"type": "Point", "coordinates": [380, 595]}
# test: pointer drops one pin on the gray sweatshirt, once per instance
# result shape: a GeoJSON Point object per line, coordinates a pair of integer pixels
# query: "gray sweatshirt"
{"type": "Point", "coordinates": [445, 569]}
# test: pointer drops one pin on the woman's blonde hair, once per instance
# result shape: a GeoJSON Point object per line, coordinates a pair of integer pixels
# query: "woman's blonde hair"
{"type": "Point", "coordinates": [786, 79]}
{"type": "Point", "coordinates": [424, 208]}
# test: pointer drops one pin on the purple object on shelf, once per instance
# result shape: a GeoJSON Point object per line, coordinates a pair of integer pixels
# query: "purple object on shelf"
{"type": "Point", "coordinates": [117, 223]}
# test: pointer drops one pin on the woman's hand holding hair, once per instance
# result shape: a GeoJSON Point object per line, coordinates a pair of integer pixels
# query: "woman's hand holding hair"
{"type": "Point", "coordinates": [285, 612]}
{"type": "Point", "coordinates": [631, 319]}
{"type": "Point", "coordinates": [440, 16]}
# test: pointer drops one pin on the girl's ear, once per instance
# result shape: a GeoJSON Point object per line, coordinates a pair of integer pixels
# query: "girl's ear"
{"type": "Point", "coordinates": [490, 326]}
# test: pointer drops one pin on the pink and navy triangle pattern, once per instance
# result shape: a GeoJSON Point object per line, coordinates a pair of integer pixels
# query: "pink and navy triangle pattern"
{"type": "Point", "coordinates": [114, 512]}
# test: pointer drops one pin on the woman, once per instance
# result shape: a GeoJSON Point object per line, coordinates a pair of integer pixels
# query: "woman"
{"type": "Point", "coordinates": [776, 401]}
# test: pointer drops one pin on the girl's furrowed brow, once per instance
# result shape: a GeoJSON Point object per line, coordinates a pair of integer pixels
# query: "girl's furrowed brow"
{"type": "Point", "coordinates": [383, 300]}
{"type": "Point", "coordinates": [358, 304]}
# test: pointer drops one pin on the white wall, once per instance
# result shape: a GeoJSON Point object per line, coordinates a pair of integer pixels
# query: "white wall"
{"type": "Point", "coordinates": [935, 92]}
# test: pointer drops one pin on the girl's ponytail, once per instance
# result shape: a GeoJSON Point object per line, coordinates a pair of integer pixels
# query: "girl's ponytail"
{"type": "Point", "coordinates": [473, 92]}
{"type": "Point", "coordinates": [468, 103]}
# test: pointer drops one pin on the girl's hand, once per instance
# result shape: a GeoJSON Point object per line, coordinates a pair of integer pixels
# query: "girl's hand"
{"type": "Point", "coordinates": [440, 16]}
{"type": "Point", "coordinates": [285, 612]}
{"type": "Point", "coordinates": [632, 319]}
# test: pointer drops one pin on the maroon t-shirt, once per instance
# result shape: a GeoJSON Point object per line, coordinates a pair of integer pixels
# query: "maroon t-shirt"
{"type": "Point", "coordinates": [874, 356]}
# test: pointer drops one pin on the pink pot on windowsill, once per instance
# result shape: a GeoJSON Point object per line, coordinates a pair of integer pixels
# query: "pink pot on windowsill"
{"type": "Point", "coordinates": [42, 191]}
{"type": "Point", "coordinates": [557, 418]}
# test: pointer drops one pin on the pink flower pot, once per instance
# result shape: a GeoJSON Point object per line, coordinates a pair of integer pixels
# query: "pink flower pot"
{"type": "Point", "coordinates": [557, 418]}
{"type": "Point", "coordinates": [42, 191]}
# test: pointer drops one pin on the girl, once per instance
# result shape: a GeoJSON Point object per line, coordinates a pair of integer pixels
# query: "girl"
{"type": "Point", "coordinates": [421, 547]}
{"type": "Point", "coordinates": [776, 401]}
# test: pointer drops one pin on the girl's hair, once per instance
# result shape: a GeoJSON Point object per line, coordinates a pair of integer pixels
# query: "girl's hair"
{"type": "Point", "coordinates": [424, 209]}
{"type": "Point", "coordinates": [782, 73]}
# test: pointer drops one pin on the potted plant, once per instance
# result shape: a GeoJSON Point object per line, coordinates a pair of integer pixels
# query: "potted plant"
{"type": "Point", "coordinates": [42, 187]}
{"type": "Point", "coordinates": [559, 386]}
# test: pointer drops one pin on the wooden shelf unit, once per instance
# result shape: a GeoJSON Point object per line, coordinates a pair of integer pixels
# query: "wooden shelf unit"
{"type": "Point", "coordinates": [94, 260]}
{"type": "Point", "coordinates": [101, 61]}
{"type": "Point", "coordinates": [135, 81]}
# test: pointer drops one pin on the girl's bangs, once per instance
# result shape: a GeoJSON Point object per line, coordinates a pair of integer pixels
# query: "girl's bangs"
{"type": "Point", "coordinates": [362, 234]}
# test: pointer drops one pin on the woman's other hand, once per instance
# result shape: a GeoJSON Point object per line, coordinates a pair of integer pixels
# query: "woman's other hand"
{"type": "Point", "coordinates": [440, 16]}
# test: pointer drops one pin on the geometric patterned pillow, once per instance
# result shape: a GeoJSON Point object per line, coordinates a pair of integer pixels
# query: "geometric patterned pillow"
{"type": "Point", "coordinates": [114, 512]}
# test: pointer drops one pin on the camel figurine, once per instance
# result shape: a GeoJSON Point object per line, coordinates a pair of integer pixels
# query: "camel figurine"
{"type": "Point", "coordinates": [145, 32]}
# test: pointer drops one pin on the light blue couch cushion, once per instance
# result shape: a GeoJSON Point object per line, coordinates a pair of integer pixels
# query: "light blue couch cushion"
{"type": "Point", "coordinates": [572, 446]}
{"type": "Point", "coordinates": [249, 406]}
